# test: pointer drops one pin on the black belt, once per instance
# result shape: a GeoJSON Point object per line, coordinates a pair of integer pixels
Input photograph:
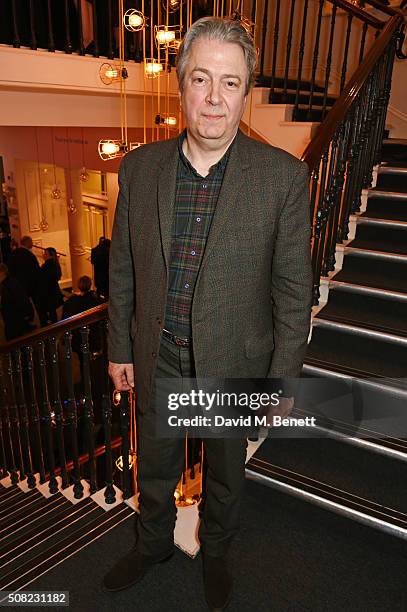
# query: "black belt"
{"type": "Point", "coordinates": [176, 339]}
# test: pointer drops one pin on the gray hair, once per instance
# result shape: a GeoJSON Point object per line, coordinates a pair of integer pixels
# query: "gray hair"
{"type": "Point", "coordinates": [225, 30]}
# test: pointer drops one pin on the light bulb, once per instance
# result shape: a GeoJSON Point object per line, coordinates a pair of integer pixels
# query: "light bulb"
{"type": "Point", "coordinates": [165, 36]}
{"type": "Point", "coordinates": [56, 193]}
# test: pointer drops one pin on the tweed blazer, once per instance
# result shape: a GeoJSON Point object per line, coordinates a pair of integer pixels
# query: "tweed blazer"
{"type": "Point", "coordinates": [252, 300]}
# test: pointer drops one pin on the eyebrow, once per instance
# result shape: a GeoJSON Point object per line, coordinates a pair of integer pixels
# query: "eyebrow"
{"type": "Point", "coordinates": [224, 76]}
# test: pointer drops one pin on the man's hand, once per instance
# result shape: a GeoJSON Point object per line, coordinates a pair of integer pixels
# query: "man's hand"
{"type": "Point", "coordinates": [122, 375]}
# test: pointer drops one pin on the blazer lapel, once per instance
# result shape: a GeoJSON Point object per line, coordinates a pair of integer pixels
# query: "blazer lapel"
{"type": "Point", "coordinates": [166, 196]}
{"type": "Point", "coordinates": [230, 194]}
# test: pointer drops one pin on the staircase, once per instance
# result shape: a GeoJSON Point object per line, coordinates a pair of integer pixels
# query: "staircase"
{"type": "Point", "coordinates": [359, 335]}
{"type": "Point", "coordinates": [38, 533]}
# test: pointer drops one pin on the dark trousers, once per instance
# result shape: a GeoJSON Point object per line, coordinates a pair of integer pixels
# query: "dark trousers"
{"type": "Point", "coordinates": [160, 465]}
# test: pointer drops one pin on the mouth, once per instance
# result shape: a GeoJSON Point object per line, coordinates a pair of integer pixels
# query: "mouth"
{"type": "Point", "coordinates": [213, 117]}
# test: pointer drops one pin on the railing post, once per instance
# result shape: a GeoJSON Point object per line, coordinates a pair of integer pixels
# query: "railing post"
{"type": "Point", "coordinates": [329, 60]}
{"type": "Point", "coordinates": [263, 37]}
{"type": "Point", "coordinates": [4, 431]}
{"type": "Point", "coordinates": [33, 36]}
{"type": "Point", "coordinates": [110, 494]}
{"type": "Point", "coordinates": [275, 47]}
{"type": "Point", "coordinates": [88, 406]}
{"type": "Point", "coordinates": [124, 407]}
{"type": "Point", "coordinates": [81, 49]}
{"type": "Point", "coordinates": [16, 34]}
{"type": "Point", "coordinates": [14, 419]}
{"type": "Point", "coordinates": [23, 419]}
{"type": "Point", "coordinates": [345, 52]}
{"type": "Point", "coordinates": [34, 413]}
{"type": "Point", "coordinates": [72, 417]}
{"type": "Point", "coordinates": [315, 59]}
{"type": "Point", "coordinates": [51, 42]}
{"type": "Point", "coordinates": [288, 52]}
{"type": "Point", "coordinates": [56, 407]}
{"type": "Point", "coordinates": [46, 417]}
{"type": "Point", "coordinates": [300, 60]}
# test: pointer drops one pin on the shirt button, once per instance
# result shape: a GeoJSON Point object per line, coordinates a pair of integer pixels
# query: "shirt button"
{"type": "Point", "coordinates": [193, 253]}
{"type": "Point", "coordinates": [204, 185]}
{"type": "Point", "coordinates": [186, 285]}
{"type": "Point", "coordinates": [198, 219]}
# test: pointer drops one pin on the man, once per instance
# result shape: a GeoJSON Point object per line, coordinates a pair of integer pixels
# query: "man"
{"type": "Point", "coordinates": [15, 307]}
{"type": "Point", "coordinates": [210, 277]}
{"type": "Point", "coordinates": [23, 265]}
{"type": "Point", "coordinates": [99, 258]}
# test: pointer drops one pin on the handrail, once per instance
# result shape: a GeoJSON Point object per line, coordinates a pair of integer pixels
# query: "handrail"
{"type": "Point", "coordinates": [93, 315]}
{"type": "Point", "coordinates": [358, 12]}
{"type": "Point", "coordinates": [327, 129]}
{"type": "Point", "coordinates": [389, 10]}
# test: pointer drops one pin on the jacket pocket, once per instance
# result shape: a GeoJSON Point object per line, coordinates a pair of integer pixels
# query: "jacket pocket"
{"type": "Point", "coordinates": [259, 345]}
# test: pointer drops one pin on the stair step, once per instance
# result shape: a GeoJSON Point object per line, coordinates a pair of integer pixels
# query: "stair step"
{"type": "Point", "coordinates": [41, 547]}
{"type": "Point", "coordinates": [265, 81]}
{"type": "Point", "coordinates": [359, 289]}
{"type": "Point", "coordinates": [392, 177]}
{"type": "Point", "coordinates": [358, 329]}
{"type": "Point", "coordinates": [316, 114]}
{"type": "Point", "coordinates": [323, 471]}
{"type": "Point", "coordinates": [394, 150]}
{"type": "Point", "coordinates": [380, 238]}
{"type": "Point", "coordinates": [53, 505]}
{"type": "Point", "coordinates": [366, 311]}
{"type": "Point", "coordinates": [278, 97]}
{"type": "Point", "coordinates": [372, 272]}
{"type": "Point", "coordinates": [29, 572]}
{"type": "Point", "coordinates": [10, 495]}
{"type": "Point", "coordinates": [41, 529]}
{"type": "Point", "coordinates": [388, 194]}
{"type": "Point", "coordinates": [369, 355]}
{"type": "Point", "coordinates": [18, 503]}
{"type": "Point", "coordinates": [372, 253]}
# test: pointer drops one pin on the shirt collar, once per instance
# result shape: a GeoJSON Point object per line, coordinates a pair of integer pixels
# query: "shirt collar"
{"type": "Point", "coordinates": [218, 167]}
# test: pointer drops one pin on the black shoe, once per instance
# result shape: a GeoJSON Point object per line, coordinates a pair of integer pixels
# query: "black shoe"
{"type": "Point", "coordinates": [217, 582]}
{"type": "Point", "coordinates": [129, 570]}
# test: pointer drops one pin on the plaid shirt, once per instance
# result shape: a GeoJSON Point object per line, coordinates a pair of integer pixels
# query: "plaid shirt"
{"type": "Point", "coordinates": [195, 203]}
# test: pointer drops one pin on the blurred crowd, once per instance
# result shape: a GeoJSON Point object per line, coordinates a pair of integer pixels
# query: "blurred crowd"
{"type": "Point", "coordinates": [30, 295]}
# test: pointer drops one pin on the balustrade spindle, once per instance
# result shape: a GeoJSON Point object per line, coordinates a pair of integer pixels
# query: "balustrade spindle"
{"type": "Point", "coordinates": [72, 416]}
{"type": "Point", "coordinates": [254, 8]}
{"type": "Point", "coordinates": [34, 414]}
{"type": "Point", "coordinates": [263, 37]}
{"type": "Point", "coordinates": [322, 213]}
{"type": "Point", "coordinates": [46, 417]}
{"type": "Point", "coordinates": [23, 418]}
{"type": "Point", "coordinates": [16, 34]}
{"type": "Point", "coordinates": [56, 407]}
{"type": "Point", "coordinates": [363, 42]}
{"type": "Point", "coordinates": [329, 60]}
{"type": "Point", "coordinates": [362, 142]}
{"type": "Point", "coordinates": [275, 48]}
{"type": "Point", "coordinates": [329, 205]}
{"type": "Point", "coordinates": [95, 32]}
{"type": "Point", "coordinates": [7, 458]}
{"type": "Point", "coordinates": [288, 52]}
{"type": "Point", "coordinates": [300, 59]}
{"type": "Point", "coordinates": [14, 418]}
{"type": "Point", "coordinates": [343, 136]}
{"type": "Point", "coordinates": [51, 42]}
{"type": "Point", "coordinates": [389, 62]}
{"type": "Point", "coordinates": [110, 494]}
{"type": "Point", "coordinates": [124, 408]}
{"type": "Point", "coordinates": [88, 405]}
{"type": "Point", "coordinates": [316, 225]}
{"type": "Point", "coordinates": [345, 53]}
{"type": "Point", "coordinates": [68, 41]}
{"type": "Point", "coordinates": [81, 49]}
{"type": "Point", "coordinates": [344, 217]}
{"type": "Point", "coordinates": [315, 59]}
{"type": "Point", "coordinates": [33, 35]}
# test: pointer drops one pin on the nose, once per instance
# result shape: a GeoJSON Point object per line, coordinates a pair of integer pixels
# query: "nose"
{"type": "Point", "coordinates": [213, 97]}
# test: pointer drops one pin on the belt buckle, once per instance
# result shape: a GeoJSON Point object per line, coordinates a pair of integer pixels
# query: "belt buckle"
{"type": "Point", "coordinates": [180, 341]}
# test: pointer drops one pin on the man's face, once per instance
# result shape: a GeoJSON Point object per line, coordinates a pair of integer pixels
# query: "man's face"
{"type": "Point", "coordinates": [213, 98]}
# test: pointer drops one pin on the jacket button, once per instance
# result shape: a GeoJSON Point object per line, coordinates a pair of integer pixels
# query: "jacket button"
{"type": "Point", "coordinates": [158, 320]}
{"type": "Point", "coordinates": [154, 354]}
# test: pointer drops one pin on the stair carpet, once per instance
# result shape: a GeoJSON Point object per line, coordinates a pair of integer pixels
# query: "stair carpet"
{"type": "Point", "coordinates": [360, 338]}
{"type": "Point", "coordinates": [38, 533]}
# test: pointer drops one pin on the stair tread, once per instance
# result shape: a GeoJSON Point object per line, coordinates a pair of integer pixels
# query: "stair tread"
{"type": "Point", "coordinates": [372, 356]}
{"type": "Point", "coordinates": [380, 238]}
{"type": "Point", "coordinates": [387, 275]}
{"type": "Point", "coordinates": [366, 311]}
{"type": "Point", "coordinates": [333, 463]}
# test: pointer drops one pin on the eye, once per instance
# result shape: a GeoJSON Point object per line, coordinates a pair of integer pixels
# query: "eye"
{"type": "Point", "coordinates": [199, 80]}
{"type": "Point", "coordinates": [232, 84]}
